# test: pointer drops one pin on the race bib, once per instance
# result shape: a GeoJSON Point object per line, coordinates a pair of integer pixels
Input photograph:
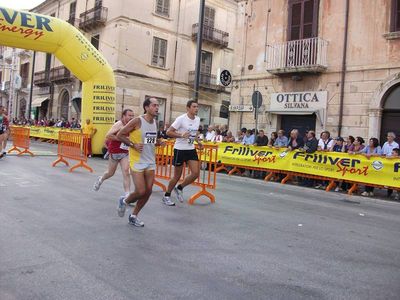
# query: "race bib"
{"type": "Point", "coordinates": [192, 136]}
{"type": "Point", "coordinates": [150, 138]}
{"type": "Point", "coordinates": [124, 146]}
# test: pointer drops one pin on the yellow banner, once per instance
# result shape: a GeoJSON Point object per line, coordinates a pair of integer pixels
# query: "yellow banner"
{"type": "Point", "coordinates": [341, 166]}
{"type": "Point", "coordinates": [50, 133]}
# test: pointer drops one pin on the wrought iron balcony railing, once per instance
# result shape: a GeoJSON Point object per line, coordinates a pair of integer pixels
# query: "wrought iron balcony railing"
{"type": "Point", "coordinates": [92, 18]}
{"type": "Point", "coordinates": [207, 81]}
{"type": "Point", "coordinates": [211, 35]}
{"type": "Point", "coordinates": [299, 56]}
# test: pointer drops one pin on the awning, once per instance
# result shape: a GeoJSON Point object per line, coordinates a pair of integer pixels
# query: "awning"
{"type": "Point", "coordinates": [318, 112]}
{"type": "Point", "coordinates": [38, 101]}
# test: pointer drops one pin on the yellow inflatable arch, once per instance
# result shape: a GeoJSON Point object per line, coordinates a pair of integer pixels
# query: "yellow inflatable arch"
{"type": "Point", "coordinates": [47, 34]}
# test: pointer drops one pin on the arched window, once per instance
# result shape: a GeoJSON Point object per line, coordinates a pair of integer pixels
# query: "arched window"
{"type": "Point", "coordinates": [64, 106]}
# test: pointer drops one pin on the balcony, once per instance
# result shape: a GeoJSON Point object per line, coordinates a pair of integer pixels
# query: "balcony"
{"type": "Point", "coordinates": [41, 78]}
{"type": "Point", "coordinates": [93, 18]}
{"type": "Point", "coordinates": [60, 75]}
{"type": "Point", "coordinates": [300, 56]}
{"type": "Point", "coordinates": [212, 35]}
{"type": "Point", "coordinates": [207, 81]}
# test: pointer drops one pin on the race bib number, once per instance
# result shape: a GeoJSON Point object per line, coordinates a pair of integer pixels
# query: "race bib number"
{"type": "Point", "coordinates": [150, 138]}
{"type": "Point", "coordinates": [124, 146]}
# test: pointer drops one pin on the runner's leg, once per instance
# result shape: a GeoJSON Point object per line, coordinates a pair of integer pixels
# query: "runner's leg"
{"type": "Point", "coordinates": [112, 167]}
{"type": "Point", "coordinates": [148, 183]}
{"type": "Point", "coordinates": [174, 180]}
{"type": "Point", "coordinates": [194, 173]}
{"type": "Point", "coordinates": [140, 187]}
{"type": "Point", "coordinates": [125, 174]}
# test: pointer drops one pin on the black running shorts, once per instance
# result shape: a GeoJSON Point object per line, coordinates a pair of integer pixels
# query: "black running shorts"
{"type": "Point", "coordinates": [182, 156]}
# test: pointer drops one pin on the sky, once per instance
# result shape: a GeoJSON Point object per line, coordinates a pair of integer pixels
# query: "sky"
{"type": "Point", "coordinates": [20, 4]}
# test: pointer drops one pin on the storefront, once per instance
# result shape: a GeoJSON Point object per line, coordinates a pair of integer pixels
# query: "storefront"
{"type": "Point", "coordinates": [298, 110]}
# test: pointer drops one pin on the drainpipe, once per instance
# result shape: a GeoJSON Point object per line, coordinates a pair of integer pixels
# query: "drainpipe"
{"type": "Point", "coordinates": [174, 68]}
{"type": "Point", "coordinates": [343, 76]}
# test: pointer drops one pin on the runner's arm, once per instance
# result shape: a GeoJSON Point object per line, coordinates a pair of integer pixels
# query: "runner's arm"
{"type": "Point", "coordinates": [112, 133]}
{"type": "Point", "coordinates": [171, 132]}
{"type": "Point", "coordinates": [123, 134]}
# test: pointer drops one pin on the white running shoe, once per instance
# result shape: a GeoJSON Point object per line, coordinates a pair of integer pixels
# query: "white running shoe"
{"type": "Point", "coordinates": [179, 194]}
{"type": "Point", "coordinates": [134, 220]}
{"type": "Point", "coordinates": [97, 184]}
{"type": "Point", "coordinates": [167, 201]}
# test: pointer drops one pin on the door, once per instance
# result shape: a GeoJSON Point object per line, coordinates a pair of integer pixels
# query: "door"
{"type": "Point", "coordinates": [302, 123]}
{"type": "Point", "coordinates": [205, 68]}
{"type": "Point", "coordinates": [391, 114]}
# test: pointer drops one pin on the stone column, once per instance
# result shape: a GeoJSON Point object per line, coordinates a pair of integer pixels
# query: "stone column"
{"type": "Point", "coordinates": [375, 120]}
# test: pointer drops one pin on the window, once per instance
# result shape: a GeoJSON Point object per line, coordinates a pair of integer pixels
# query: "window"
{"type": "Point", "coordinates": [204, 114]}
{"type": "Point", "coordinates": [95, 41]}
{"type": "Point", "coordinates": [209, 16]}
{"type": "Point", "coordinates": [161, 109]}
{"type": "Point", "coordinates": [25, 74]}
{"type": "Point", "coordinates": [303, 19]}
{"type": "Point", "coordinates": [159, 52]}
{"type": "Point", "coordinates": [162, 7]}
{"type": "Point", "coordinates": [72, 10]}
{"type": "Point", "coordinates": [206, 62]}
{"type": "Point", "coordinates": [395, 16]}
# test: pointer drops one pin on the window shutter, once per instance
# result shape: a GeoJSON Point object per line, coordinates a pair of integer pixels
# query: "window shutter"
{"type": "Point", "coordinates": [209, 16]}
{"type": "Point", "coordinates": [163, 52]}
{"type": "Point", "coordinates": [166, 7]}
{"type": "Point", "coordinates": [156, 50]}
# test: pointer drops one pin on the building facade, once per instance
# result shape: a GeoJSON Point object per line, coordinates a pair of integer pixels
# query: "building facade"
{"type": "Point", "coordinates": [319, 64]}
{"type": "Point", "coordinates": [151, 46]}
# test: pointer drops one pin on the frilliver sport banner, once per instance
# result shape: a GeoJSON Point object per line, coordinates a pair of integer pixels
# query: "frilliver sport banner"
{"type": "Point", "coordinates": [341, 166]}
{"type": "Point", "coordinates": [47, 132]}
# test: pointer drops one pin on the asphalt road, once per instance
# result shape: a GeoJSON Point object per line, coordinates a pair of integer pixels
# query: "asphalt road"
{"type": "Point", "coordinates": [61, 240]}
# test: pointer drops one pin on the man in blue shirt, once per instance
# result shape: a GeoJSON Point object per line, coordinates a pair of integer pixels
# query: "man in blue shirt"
{"type": "Point", "coordinates": [281, 140]}
{"type": "Point", "coordinates": [248, 138]}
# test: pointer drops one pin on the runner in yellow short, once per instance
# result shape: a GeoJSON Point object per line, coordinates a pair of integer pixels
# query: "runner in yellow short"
{"type": "Point", "coordinates": [142, 132]}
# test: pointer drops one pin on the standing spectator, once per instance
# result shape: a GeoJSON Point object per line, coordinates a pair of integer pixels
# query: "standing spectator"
{"type": "Point", "coordinates": [262, 139]}
{"type": "Point", "coordinates": [200, 135]}
{"type": "Point", "coordinates": [325, 143]}
{"type": "Point", "coordinates": [4, 128]}
{"type": "Point", "coordinates": [310, 146]}
{"type": "Point", "coordinates": [218, 138]}
{"type": "Point", "coordinates": [229, 137]}
{"type": "Point", "coordinates": [358, 145]}
{"type": "Point", "coordinates": [239, 136]}
{"type": "Point", "coordinates": [281, 140]}
{"type": "Point", "coordinates": [90, 131]}
{"type": "Point", "coordinates": [349, 144]}
{"type": "Point", "coordinates": [248, 139]}
{"type": "Point", "coordinates": [210, 133]}
{"type": "Point", "coordinates": [389, 145]}
{"type": "Point", "coordinates": [394, 155]}
{"type": "Point", "coordinates": [224, 130]}
{"type": "Point", "coordinates": [274, 136]}
{"type": "Point", "coordinates": [338, 147]}
{"type": "Point", "coordinates": [74, 124]}
{"type": "Point", "coordinates": [295, 142]}
{"type": "Point", "coordinates": [373, 149]}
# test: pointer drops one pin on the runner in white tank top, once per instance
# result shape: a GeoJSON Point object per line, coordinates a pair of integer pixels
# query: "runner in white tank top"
{"type": "Point", "coordinates": [142, 132]}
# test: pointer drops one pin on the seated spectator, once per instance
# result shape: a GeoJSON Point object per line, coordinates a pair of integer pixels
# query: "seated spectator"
{"type": "Point", "coordinates": [224, 130]}
{"type": "Point", "coordinates": [295, 141]}
{"type": "Point", "coordinates": [218, 138]}
{"type": "Point", "coordinates": [281, 140]}
{"type": "Point", "coordinates": [389, 145]}
{"type": "Point", "coordinates": [229, 138]}
{"type": "Point", "coordinates": [200, 135]}
{"type": "Point", "coordinates": [210, 133]}
{"type": "Point", "coordinates": [262, 139]}
{"type": "Point", "coordinates": [274, 136]}
{"type": "Point", "coordinates": [358, 145]}
{"type": "Point", "coordinates": [248, 139]}
{"type": "Point", "coordinates": [239, 136]}
{"type": "Point", "coordinates": [325, 143]}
